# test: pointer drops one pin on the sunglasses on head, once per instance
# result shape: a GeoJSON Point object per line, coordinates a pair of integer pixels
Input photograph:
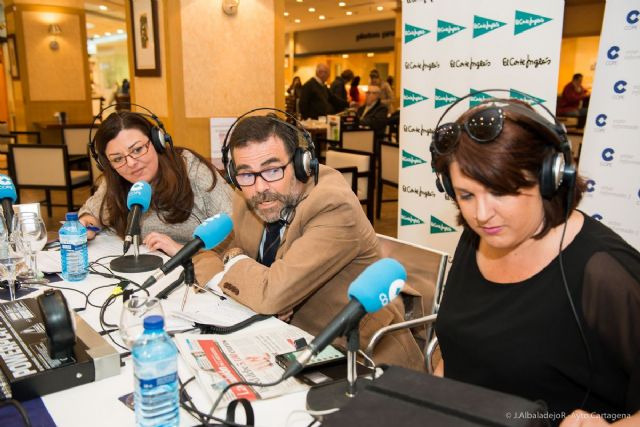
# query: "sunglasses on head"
{"type": "Point", "coordinates": [482, 126]}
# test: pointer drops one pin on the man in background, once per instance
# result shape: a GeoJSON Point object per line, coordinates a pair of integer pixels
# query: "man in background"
{"type": "Point", "coordinates": [315, 98]}
{"type": "Point", "coordinates": [572, 99]}
{"type": "Point", "coordinates": [373, 113]}
{"type": "Point", "coordinates": [338, 88]}
{"type": "Point", "coordinates": [386, 93]}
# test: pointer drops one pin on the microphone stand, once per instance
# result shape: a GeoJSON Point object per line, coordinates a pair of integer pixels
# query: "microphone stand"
{"type": "Point", "coordinates": [336, 394]}
{"type": "Point", "coordinates": [136, 263]}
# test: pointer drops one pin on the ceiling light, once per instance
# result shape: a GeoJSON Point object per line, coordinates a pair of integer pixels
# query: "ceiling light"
{"type": "Point", "coordinates": [345, 55]}
{"type": "Point", "coordinates": [370, 54]}
{"type": "Point", "coordinates": [299, 1]}
{"type": "Point", "coordinates": [312, 9]}
{"type": "Point", "coordinates": [286, 14]}
{"type": "Point", "coordinates": [297, 21]}
{"type": "Point", "coordinates": [103, 7]}
{"type": "Point", "coordinates": [322, 17]}
{"type": "Point", "coordinates": [120, 31]}
{"type": "Point", "coordinates": [349, 13]}
{"type": "Point", "coordinates": [380, 8]}
{"type": "Point", "coordinates": [96, 36]}
{"type": "Point", "coordinates": [107, 33]}
{"type": "Point", "coordinates": [342, 4]}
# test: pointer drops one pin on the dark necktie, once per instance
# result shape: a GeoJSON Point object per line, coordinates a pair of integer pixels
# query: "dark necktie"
{"type": "Point", "coordinates": [271, 243]}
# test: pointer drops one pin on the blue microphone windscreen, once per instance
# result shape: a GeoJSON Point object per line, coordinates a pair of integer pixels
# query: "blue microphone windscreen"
{"type": "Point", "coordinates": [378, 284]}
{"type": "Point", "coordinates": [214, 230]}
{"type": "Point", "coordinates": [7, 189]}
{"type": "Point", "coordinates": [140, 194]}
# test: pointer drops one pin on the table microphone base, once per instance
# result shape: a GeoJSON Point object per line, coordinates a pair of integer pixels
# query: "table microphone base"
{"type": "Point", "coordinates": [332, 394]}
{"type": "Point", "coordinates": [136, 264]}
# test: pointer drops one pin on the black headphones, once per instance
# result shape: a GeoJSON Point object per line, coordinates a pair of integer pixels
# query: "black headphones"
{"type": "Point", "coordinates": [305, 162]}
{"type": "Point", "coordinates": [160, 139]}
{"type": "Point", "coordinates": [557, 168]}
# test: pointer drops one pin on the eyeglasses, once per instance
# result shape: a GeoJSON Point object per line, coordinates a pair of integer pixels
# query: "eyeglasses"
{"type": "Point", "coordinates": [482, 126]}
{"type": "Point", "coordinates": [119, 161]}
{"type": "Point", "coordinates": [247, 179]}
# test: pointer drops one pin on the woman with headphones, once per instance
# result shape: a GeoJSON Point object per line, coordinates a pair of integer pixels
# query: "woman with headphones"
{"type": "Point", "coordinates": [541, 301]}
{"type": "Point", "coordinates": [186, 189]}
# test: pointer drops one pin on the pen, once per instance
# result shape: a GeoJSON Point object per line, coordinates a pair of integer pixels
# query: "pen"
{"type": "Point", "coordinates": [94, 228]}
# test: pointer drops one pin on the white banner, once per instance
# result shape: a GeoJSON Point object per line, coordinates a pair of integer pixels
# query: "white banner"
{"type": "Point", "coordinates": [452, 48]}
{"type": "Point", "coordinates": [610, 156]}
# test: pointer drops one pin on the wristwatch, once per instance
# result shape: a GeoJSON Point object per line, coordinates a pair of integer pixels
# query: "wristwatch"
{"type": "Point", "coordinates": [230, 254]}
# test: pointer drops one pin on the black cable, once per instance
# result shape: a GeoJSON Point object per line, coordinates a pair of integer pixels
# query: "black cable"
{"type": "Point", "coordinates": [64, 288]}
{"type": "Point", "coordinates": [205, 419]}
{"type": "Point", "coordinates": [237, 383]}
{"type": "Point", "coordinates": [19, 408]}
{"type": "Point", "coordinates": [571, 304]}
{"type": "Point", "coordinates": [224, 330]}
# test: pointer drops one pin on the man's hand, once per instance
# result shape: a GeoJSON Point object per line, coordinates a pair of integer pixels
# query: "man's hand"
{"type": "Point", "coordinates": [159, 241]}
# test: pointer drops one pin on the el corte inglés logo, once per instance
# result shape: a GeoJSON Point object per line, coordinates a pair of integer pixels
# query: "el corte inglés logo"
{"type": "Point", "coordinates": [526, 21]}
{"type": "Point", "coordinates": [412, 33]}
{"type": "Point", "coordinates": [409, 159]}
{"type": "Point", "coordinates": [533, 100]}
{"type": "Point", "coordinates": [438, 226]}
{"type": "Point", "coordinates": [446, 29]}
{"type": "Point", "coordinates": [483, 25]}
{"type": "Point", "coordinates": [444, 98]}
{"type": "Point", "coordinates": [407, 219]}
{"type": "Point", "coordinates": [410, 98]}
{"type": "Point", "coordinates": [477, 97]}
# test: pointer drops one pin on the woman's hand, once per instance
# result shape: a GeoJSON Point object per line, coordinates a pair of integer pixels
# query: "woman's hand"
{"type": "Point", "coordinates": [159, 241]}
{"type": "Point", "coordinates": [89, 220]}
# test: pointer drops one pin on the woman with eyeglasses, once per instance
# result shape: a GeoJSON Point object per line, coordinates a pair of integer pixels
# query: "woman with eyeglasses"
{"type": "Point", "coordinates": [186, 188]}
{"type": "Point", "coordinates": [541, 301]}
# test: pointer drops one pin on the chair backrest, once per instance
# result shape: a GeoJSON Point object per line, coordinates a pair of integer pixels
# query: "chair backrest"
{"type": "Point", "coordinates": [28, 136]}
{"type": "Point", "coordinates": [426, 269]}
{"type": "Point", "coordinates": [340, 158]}
{"type": "Point", "coordinates": [361, 140]}
{"type": "Point", "coordinates": [76, 139]}
{"type": "Point", "coordinates": [39, 165]}
{"type": "Point", "coordinates": [389, 163]}
{"type": "Point", "coordinates": [96, 105]}
{"type": "Point", "coordinates": [350, 174]}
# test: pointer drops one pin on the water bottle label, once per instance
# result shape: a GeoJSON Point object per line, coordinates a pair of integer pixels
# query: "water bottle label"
{"type": "Point", "coordinates": [147, 384]}
{"type": "Point", "coordinates": [72, 247]}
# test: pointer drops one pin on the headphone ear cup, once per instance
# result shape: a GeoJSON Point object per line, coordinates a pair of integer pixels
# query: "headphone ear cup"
{"type": "Point", "coordinates": [302, 164]}
{"type": "Point", "coordinates": [231, 173]}
{"type": "Point", "coordinates": [551, 174]}
{"type": "Point", "coordinates": [96, 157]}
{"type": "Point", "coordinates": [158, 139]}
{"type": "Point", "coordinates": [443, 184]}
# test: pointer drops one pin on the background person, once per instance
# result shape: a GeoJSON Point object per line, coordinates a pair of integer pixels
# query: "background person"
{"type": "Point", "coordinates": [316, 100]}
{"type": "Point", "coordinates": [373, 113]}
{"type": "Point", "coordinates": [386, 93]}
{"type": "Point", "coordinates": [571, 101]}
{"type": "Point", "coordinates": [338, 88]}
{"type": "Point", "coordinates": [298, 245]}
{"type": "Point", "coordinates": [506, 321]}
{"type": "Point", "coordinates": [354, 92]}
{"type": "Point", "coordinates": [186, 189]}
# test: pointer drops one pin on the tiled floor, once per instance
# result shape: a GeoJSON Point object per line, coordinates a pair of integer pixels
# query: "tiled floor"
{"type": "Point", "coordinates": [387, 224]}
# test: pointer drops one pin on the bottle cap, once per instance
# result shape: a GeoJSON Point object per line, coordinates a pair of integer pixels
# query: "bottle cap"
{"type": "Point", "coordinates": [153, 322]}
{"type": "Point", "coordinates": [71, 216]}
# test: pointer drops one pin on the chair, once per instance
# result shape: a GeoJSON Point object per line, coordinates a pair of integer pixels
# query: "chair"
{"type": "Point", "coordinates": [388, 173]}
{"type": "Point", "coordinates": [37, 166]}
{"type": "Point", "coordinates": [77, 140]}
{"type": "Point", "coordinates": [339, 158]}
{"type": "Point", "coordinates": [350, 174]}
{"type": "Point", "coordinates": [31, 136]}
{"type": "Point", "coordinates": [5, 140]}
{"type": "Point", "coordinates": [361, 140]}
{"type": "Point", "coordinates": [426, 270]}
{"type": "Point", "coordinates": [97, 104]}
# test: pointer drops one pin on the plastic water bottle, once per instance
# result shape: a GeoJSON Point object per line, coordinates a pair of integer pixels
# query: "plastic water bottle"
{"type": "Point", "coordinates": [155, 367]}
{"type": "Point", "coordinates": [73, 249]}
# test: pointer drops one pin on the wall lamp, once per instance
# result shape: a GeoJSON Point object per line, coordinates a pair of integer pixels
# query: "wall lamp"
{"type": "Point", "coordinates": [54, 30]}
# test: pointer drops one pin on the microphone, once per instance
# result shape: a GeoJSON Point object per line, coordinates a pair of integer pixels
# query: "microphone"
{"type": "Point", "coordinates": [138, 201]}
{"type": "Point", "coordinates": [8, 196]}
{"type": "Point", "coordinates": [207, 235]}
{"type": "Point", "coordinates": [374, 288]}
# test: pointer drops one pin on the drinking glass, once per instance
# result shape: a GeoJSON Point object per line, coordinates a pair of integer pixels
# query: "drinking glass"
{"type": "Point", "coordinates": [29, 228]}
{"type": "Point", "coordinates": [134, 310]}
{"type": "Point", "coordinates": [11, 261]}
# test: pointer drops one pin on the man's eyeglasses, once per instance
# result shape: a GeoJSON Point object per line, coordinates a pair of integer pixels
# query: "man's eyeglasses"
{"type": "Point", "coordinates": [119, 161]}
{"type": "Point", "coordinates": [482, 126]}
{"type": "Point", "coordinates": [247, 179]}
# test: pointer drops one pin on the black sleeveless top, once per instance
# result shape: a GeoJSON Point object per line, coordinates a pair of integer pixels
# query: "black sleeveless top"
{"type": "Point", "coordinates": [522, 338]}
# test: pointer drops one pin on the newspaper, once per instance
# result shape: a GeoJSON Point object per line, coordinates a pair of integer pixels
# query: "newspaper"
{"type": "Point", "coordinates": [248, 355]}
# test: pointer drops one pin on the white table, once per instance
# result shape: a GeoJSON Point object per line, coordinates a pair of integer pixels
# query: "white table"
{"type": "Point", "coordinates": [97, 403]}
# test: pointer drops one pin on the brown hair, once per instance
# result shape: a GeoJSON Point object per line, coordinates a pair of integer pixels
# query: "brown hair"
{"type": "Point", "coordinates": [512, 161]}
{"type": "Point", "coordinates": [172, 193]}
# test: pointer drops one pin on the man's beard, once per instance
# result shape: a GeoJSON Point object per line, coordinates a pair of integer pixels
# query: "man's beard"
{"type": "Point", "coordinates": [272, 214]}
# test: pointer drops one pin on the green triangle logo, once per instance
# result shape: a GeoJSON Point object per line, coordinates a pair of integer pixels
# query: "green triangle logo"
{"type": "Point", "coordinates": [533, 100]}
{"type": "Point", "coordinates": [477, 97]}
{"type": "Point", "coordinates": [438, 226]}
{"type": "Point", "coordinates": [409, 159]}
{"type": "Point", "coordinates": [444, 98]}
{"type": "Point", "coordinates": [484, 25]}
{"type": "Point", "coordinates": [407, 219]}
{"type": "Point", "coordinates": [446, 29]}
{"type": "Point", "coordinates": [410, 98]}
{"type": "Point", "coordinates": [525, 21]}
{"type": "Point", "coordinates": [412, 33]}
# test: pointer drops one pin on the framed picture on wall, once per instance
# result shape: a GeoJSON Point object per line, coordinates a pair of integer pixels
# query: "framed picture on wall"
{"type": "Point", "coordinates": [14, 68]}
{"type": "Point", "coordinates": [146, 48]}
